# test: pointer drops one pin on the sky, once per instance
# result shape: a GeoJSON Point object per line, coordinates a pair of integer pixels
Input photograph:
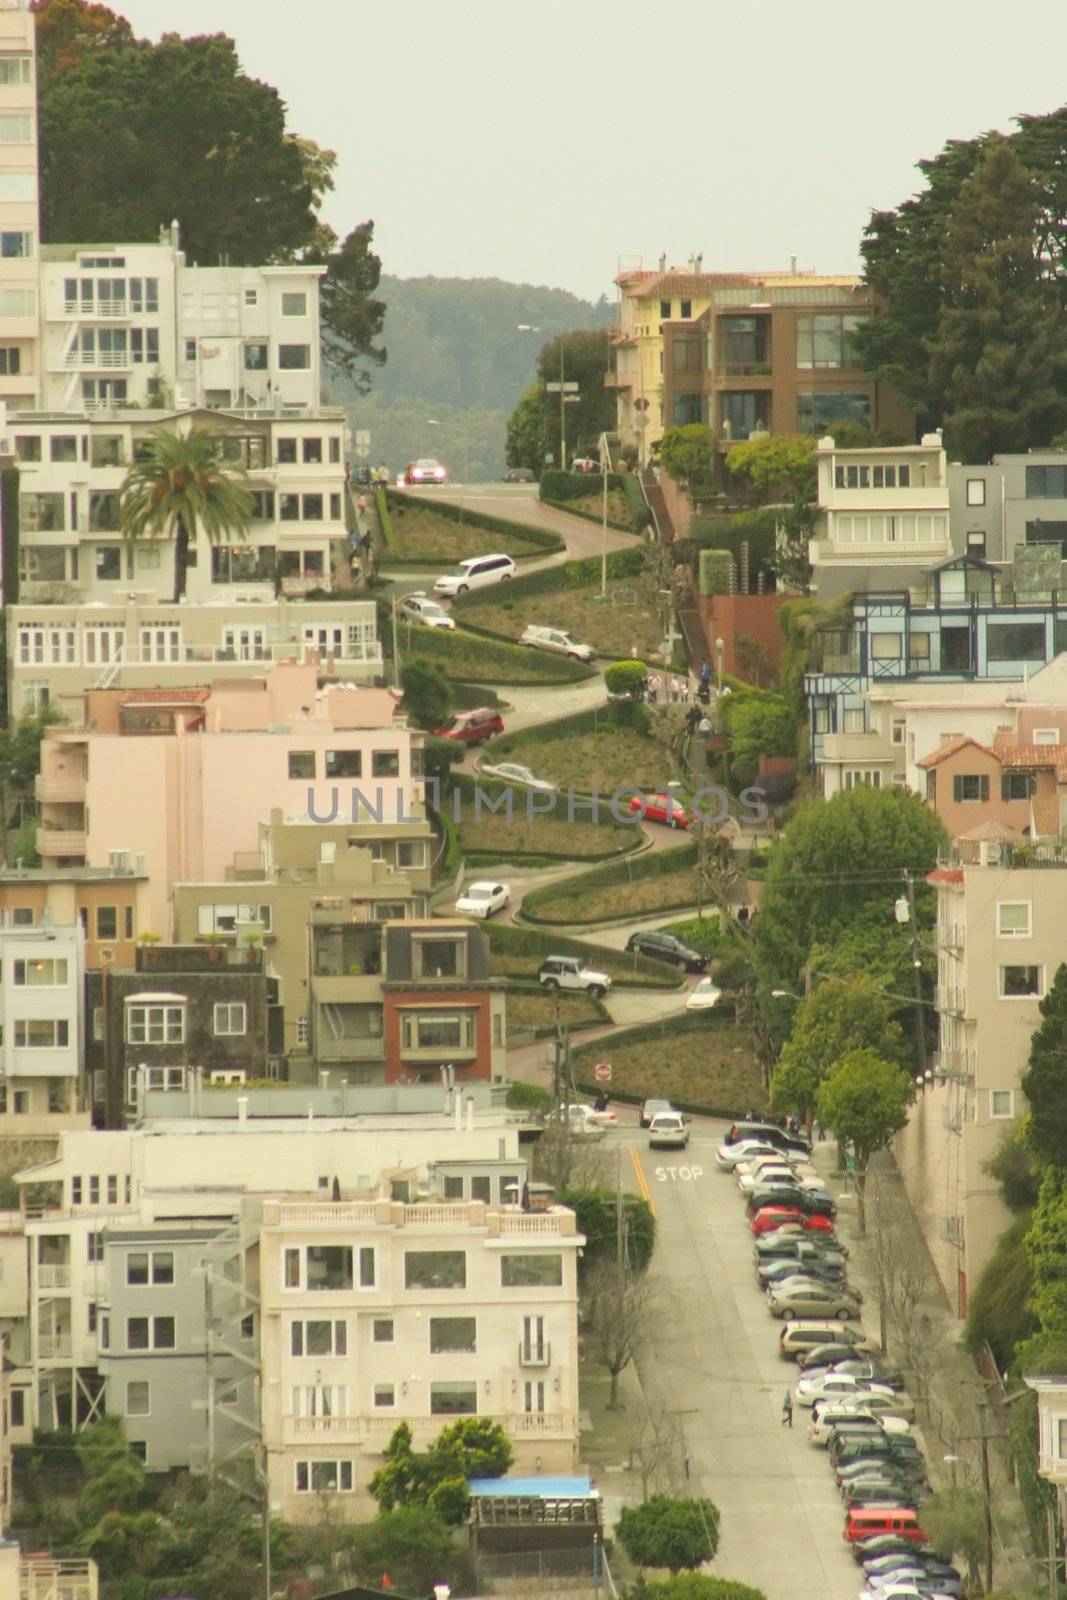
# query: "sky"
{"type": "Point", "coordinates": [550, 142]}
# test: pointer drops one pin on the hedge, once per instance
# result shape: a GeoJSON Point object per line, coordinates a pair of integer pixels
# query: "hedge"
{"type": "Point", "coordinates": [655, 864]}
{"type": "Point", "coordinates": [497, 658]}
{"type": "Point", "coordinates": [549, 543]}
{"type": "Point", "coordinates": [385, 521]}
{"type": "Point", "coordinates": [635, 499]}
{"type": "Point", "coordinates": [629, 838]}
{"type": "Point", "coordinates": [563, 486]}
{"type": "Point", "coordinates": [509, 937]}
{"type": "Point", "coordinates": [589, 516]}
{"type": "Point", "coordinates": [568, 575]}
{"type": "Point", "coordinates": [717, 572]}
{"type": "Point", "coordinates": [653, 1032]}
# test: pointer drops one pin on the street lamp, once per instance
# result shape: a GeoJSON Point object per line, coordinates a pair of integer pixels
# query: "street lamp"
{"type": "Point", "coordinates": [605, 468]}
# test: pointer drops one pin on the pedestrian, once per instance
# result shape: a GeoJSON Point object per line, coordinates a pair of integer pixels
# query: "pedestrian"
{"type": "Point", "coordinates": [685, 690]}
{"type": "Point", "coordinates": [653, 687]}
{"type": "Point", "coordinates": [676, 689]}
{"type": "Point", "coordinates": [787, 1410]}
{"type": "Point", "coordinates": [361, 505]}
{"type": "Point", "coordinates": [705, 674]}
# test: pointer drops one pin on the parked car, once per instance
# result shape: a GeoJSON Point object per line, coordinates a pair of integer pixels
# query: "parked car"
{"type": "Point", "coordinates": [585, 464]}
{"type": "Point", "coordinates": [835, 1386]}
{"type": "Point", "coordinates": [477, 572]}
{"type": "Point", "coordinates": [779, 1269]}
{"type": "Point", "coordinates": [872, 1371]}
{"type": "Point", "coordinates": [705, 994]}
{"type": "Point", "coordinates": [813, 1202]}
{"type": "Point", "coordinates": [471, 727]}
{"type": "Point", "coordinates": [824, 1418]}
{"type": "Point", "coordinates": [557, 642]}
{"type": "Point", "coordinates": [512, 772]}
{"type": "Point", "coordinates": [871, 1546]}
{"type": "Point", "coordinates": [806, 1298]}
{"type": "Point", "coordinates": [520, 475]}
{"type": "Point", "coordinates": [796, 1337]}
{"type": "Point", "coordinates": [891, 1409]}
{"type": "Point", "coordinates": [418, 607]}
{"type": "Point", "coordinates": [821, 1357]}
{"type": "Point", "coordinates": [652, 1108]}
{"type": "Point", "coordinates": [665, 947]}
{"type": "Point", "coordinates": [660, 808]}
{"type": "Point", "coordinates": [668, 1131]}
{"type": "Point", "coordinates": [769, 1217]}
{"type": "Point", "coordinates": [583, 1120]}
{"type": "Point", "coordinates": [483, 899]}
{"type": "Point", "coordinates": [425, 470]}
{"type": "Point", "coordinates": [798, 1247]}
{"type": "Point", "coordinates": [769, 1133]}
{"type": "Point", "coordinates": [730, 1156]}
{"type": "Point", "coordinates": [567, 972]}
{"type": "Point", "coordinates": [767, 1177]}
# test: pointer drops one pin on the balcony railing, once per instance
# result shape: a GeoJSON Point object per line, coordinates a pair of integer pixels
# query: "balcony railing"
{"type": "Point", "coordinates": [356, 1430]}
{"type": "Point", "coordinates": [61, 841]}
{"type": "Point", "coordinates": [53, 1347]}
{"type": "Point", "coordinates": [744, 369]}
{"type": "Point", "coordinates": [535, 1355]}
{"type": "Point", "coordinates": [92, 312]}
{"type": "Point", "coordinates": [1013, 853]}
{"type": "Point", "coordinates": [53, 1276]}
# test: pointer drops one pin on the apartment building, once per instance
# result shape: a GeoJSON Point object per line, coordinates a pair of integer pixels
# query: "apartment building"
{"type": "Point", "coordinates": [883, 515]}
{"type": "Point", "coordinates": [38, 1576]}
{"type": "Point", "coordinates": [182, 778]}
{"type": "Point", "coordinates": [744, 353]}
{"type": "Point", "coordinates": [379, 1312]}
{"type": "Point", "coordinates": [1015, 784]}
{"type": "Point", "coordinates": [42, 1031]}
{"type": "Point", "coordinates": [57, 652]}
{"type": "Point", "coordinates": [1014, 500]}
{"type": "Point", "coordinates": [19, 225]}
{"type": "Point", "coordinates": [176, 1010]}
{"type": "Point", "coordinates": [1051, 1391]}
{"type": "Point", "coordinates": [1000, 942]}
{"type": "Point", "coordinates": [200, 1174]}
{"type": "Point", "coordinates": [321, 893]}
{"type": "Point", "coordinates": [441, 1009]}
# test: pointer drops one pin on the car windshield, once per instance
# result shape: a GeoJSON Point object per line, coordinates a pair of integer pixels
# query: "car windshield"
{"type": "Point", "coordinates": [426, 461]}
{"type": "Point", "coordinates": [478, 891]}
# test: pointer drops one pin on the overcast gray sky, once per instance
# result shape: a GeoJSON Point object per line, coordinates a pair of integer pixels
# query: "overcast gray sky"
{"type": "Point", "coordinates": [543, 140]}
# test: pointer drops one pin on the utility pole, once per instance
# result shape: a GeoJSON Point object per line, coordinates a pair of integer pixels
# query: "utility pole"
{"type": "Point", "coordinates": [562, 412]}
{"type": "Point", "coordinates": [983, 1440]}
{"type": "Point", "coordinates": [620, 1227]}
{"type": "Point", "coordinates": [265, 1528]}
{"type": "Point", "coordinates": [917, 984]}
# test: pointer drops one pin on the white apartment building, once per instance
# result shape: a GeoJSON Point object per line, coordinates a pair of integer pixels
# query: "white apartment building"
{"type": "Point", "coordinates": [42, 1021]}
{"type": "Point", "coordinates": [883, 515]}
{"type": "Point", "coordinates": [1000, 942]}
{"type": "Point", "coordinates": [378, 1312]}
{"type": "Point", "coordinates": [19, 220]}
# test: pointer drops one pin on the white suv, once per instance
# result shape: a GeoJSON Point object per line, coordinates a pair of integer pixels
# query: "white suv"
{"type": "Point", "coordinates": [476, 573]}
{"type": "Point", "coordinates": [567, 972]}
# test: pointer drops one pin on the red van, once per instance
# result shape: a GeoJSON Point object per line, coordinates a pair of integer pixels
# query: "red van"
{"type": "Point", "coordinates": [871, 1522]}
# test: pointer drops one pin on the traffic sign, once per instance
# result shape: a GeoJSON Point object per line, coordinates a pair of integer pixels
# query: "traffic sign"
{"type": "Point", "coordinates": [362, 443]}
{"type": "Point", "coordinates": [602, 1072]}
{"type": "Point", "coordinates": [641, 404]}
{"type": "Point", "coordinates": [568, 388]}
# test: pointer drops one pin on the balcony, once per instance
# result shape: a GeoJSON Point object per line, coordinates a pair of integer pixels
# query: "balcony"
{"type": "Point", "coordinates": [54, 1275]}
{"type": "Point", "coordinates": [42, 1577]}
{"type": "Point", "coordinates": [61, 788]}
{"type": "Point", "coordinates": [535, 1355]}
{"type": "Point", "coordinates": [951, 1000]}
{"type": "Point", "coordinates": [53, 842]}
{"type": "Point", "coordinates": [108, 311]}
{"type": "Point", "coordinates": [53, 1347]}
{"type": "Point", "coordinates": [341, 1050]}
{"type": "Point", "coordinates": [743, 369]}
{"type": "Point", "coordinates": [368, 1429]}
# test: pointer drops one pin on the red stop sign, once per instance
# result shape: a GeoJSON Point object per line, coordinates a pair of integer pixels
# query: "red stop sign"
{"type": "Point", "coordinates": [602, 1072]}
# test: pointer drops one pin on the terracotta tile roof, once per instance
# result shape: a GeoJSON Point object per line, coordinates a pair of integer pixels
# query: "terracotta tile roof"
{"type": "Point", "coordinates": [962, 743]}
{"type": "Point", "coordinates": [1036, 755]}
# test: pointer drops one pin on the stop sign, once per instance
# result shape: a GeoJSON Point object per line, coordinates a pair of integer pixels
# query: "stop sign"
{"type": "Point", "coordinates": [602, 1072]}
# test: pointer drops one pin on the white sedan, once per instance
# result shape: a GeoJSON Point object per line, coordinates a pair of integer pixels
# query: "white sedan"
{"type": "Point", "coordinates": [837, 1385]}
{"type": "Point", "coordinates": [795, 1177]}
{"type": "Point", "coordinates": [512, 772]}
{"type": "Point", "coordinates": [582, 1118]}
{"type": "Point", "coordinates": [899, 1409]}
{"type": "Point", "coordinates": [705, 994]}
{"type": "Point", "coordinates": [729, 1156]}
{"type": "Point", "coordinates": [483, 898]}
{"type": "Point", "coordinates": [418, 607]}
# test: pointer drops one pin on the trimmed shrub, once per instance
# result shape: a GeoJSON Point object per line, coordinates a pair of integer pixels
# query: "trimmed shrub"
{"type": "Point", "coordinates": [563, 486]}
{"type": "Point", "coordinates": [625, 677]}
{"type": "Point", "coordinates": [640, 515]}
{"type": "Point", "coordinates": [569, 575]}
{"type": "Point", "coordinates": [555, 902]}
{"type": "Point", "coordinates": [716, 572]}
{"type": "Point", "coordinates": [528, 1097]}
{"type": "Point", "coordinates": [508, 939]}
{"type": "Point", "coordinates": [657, 1035]}
{"type": "Point", "coordinates": [385, 521]}
{"type": "Point", "coordinates": [472, 657]}
{"type": "Point", "coordinates": [547, 543]}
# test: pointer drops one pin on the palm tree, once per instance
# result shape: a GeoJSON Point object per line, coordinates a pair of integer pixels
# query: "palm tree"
{"type": "Point", "coordinates": [179, 484]}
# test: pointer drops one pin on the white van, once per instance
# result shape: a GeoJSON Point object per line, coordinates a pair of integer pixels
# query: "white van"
{"type": "Point", "coordinates": [826, 1418]}
{"type": "Point", "coordinates": [477, 572]}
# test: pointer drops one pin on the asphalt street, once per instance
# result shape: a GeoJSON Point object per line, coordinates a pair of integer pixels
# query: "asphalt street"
{"type": "Point", "coordinates": [714, 1362]}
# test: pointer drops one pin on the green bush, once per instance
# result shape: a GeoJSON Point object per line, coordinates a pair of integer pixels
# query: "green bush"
{"type": "Point", "coordinates": [998, 1313]}
{"type": "Point", "coordinates": [703, 933]}
{"type": "Point", "coordinates": [385, 521]}
{"type": "Point", "coordinates": [569, 575]}
{"type": "Point", "coordinates": [640, 516]}
{"type": "Point", "coordinates": [716, 572]}
{"type": "Point", "coordinates": [619, 715]}
{"type": "Point", "coordinates": [469, 656]}
{"type": "Point", "coordinates": [528, 1097]}
{"type": "Point", "coordinates": [554, 903]}
{"type": "Point", "coordinates": [625, 971]}
{"type": "Point", "coordinates": [563, 486]}
{"type": "Point", "coordinates": [625, 677]}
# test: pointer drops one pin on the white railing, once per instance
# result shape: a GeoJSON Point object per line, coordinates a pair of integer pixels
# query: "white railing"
{"type": "Point", "coordinates": [53, 1347]}
{"type": "Point", "coordinates": [532, 1222]}
{"type": "Point", "coordinates": [53, 1277]}
{"type": "Point", "coordinates": [94, 312]}
{"type": "Point", "coordinates": [327, 1427]}
{"type": "Point", "coordinates": [535, 1355]}
{"type": "Point", "coordinates": [539, 1424]}
{"type": "Point", "coordinates": [317, 1211]}
{"type": "Point", "coordinates": [519, 1425]}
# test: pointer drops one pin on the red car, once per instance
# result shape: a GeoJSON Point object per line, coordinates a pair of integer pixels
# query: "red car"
{"type": "Point", "coordinates": [471, 727]}
{"type": "Point", "coordinates": [774, 1217]}
{"type": "Point", "coordinates": [661, 808]}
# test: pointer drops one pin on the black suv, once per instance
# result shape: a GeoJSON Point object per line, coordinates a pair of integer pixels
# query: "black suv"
{"type": "Point", "coordinates": [665, 947]}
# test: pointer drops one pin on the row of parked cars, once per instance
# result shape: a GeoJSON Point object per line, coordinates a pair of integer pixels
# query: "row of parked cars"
{"type": "Point", "coordinates": [860, 1413]}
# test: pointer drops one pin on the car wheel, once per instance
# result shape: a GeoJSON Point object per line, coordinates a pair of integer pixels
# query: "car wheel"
{"type": "Point", "coordinates": [845, 1313]}
{"type": "Point", "coordinates": [464, 588]}
{"type": "Point", "coordinates": [597, 991]}
{"type": "Point", "coordinates": [550, 983]}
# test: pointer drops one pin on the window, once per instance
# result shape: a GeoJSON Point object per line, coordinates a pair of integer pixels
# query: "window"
{"type": "Point", "coordinates": [1002, 1102]}
{"type": "Point", "coordinates": [743, 412]}
{"type": "Point", "coordinates": [976, 491]}
{"type": "Point", "coordinates": [448, 1334]}
{"type": "Point", "coordinates": [319, 1400]}
{"type": "Point", "coordinates": [344, 763]}
{"type": "Point", "coordinates": [385, 1394]}
{"type": "Point", "coordinates": [318, 1338]}
{"type": "Point", "coordinates": [14, 70]}
{"type": "Point", "coordinates": [448, 1030]}
{"type": "Point", "coordinates": [40, 974]}
{"type": "Point", "coordinates": [1015, 641]}
{"type": "Point", "coordinates": [289, 511]}
{"type": "Point", "coordinates": [311, 507]}
{"type": "Point", "coordinates": [155, 1024]}
{"type": "Point", "coordinates": [385, 764]}
{"type": "Point", "coordinates": [1046, 483]}
{"type": "Point", "coordinates": [28, 446]}
{"type": "Point", "coordinates": [41, 513]}
{"type": "Point", "coordinates": [224, 918]}
{"type": "Point", "coordinates": [1046, 736]}
{"type": "Point", "coordinates": [10, 359]}
{"type": "Point", "coordinates": [367, 1268]}
{"type": "Point", "coordinates": [1020, 983]}
{"type": "Point", "coordinates": [137, 1399]}
{"type": "Point", "coordinates": [150, 1333]}
{"type": "Point", "coordinates": [827, 341]}
{"type": "Point", "coordinates": [862, 777]}
{"type": "Point", "coordinates": [294, 305]}
{"type": "Point", "coordinates": [94, 1244]}
{"type": "Point", "coordinates": [15, 129]}
{"type": "Point", "coordinates": [324, 1477]}
{"type": "Point", "coordinates": [329, 1266]}
{"type": "Point", "coordinates": [453, 1399]}
{"type": "Point", "coordinates": [818, 412]}
{"type": "Point", "coordinates": [534, 1395]}
{"type": "Point", "coordinates": [382, 1330]}
{"type": "Point", "coordinates": [251, 297]}
{"type": "Point", "coordinates": [1013, 919]}
{"type": "Point", "coordinates": [256, 357]}
{"type": "Point", "coordinates": [853, 720]}
{"type": "Point", "coordinates": [112, 1189]}
{"type": "Point", "coordinates": [18, 1408]}
{"type": "Point", "coordinates": [439, 958]}
{"type": "Point", "coordinates": [665, 310]}
{"type": "Point", "coordinates": [480, 1185]}
{"type": "Point", "coordinates": [886, 646]}
{"type": "Point", "coordinates": [230, 1020]}
{"type": "Point", "coordinates": [190, 349]}
{"type": "Point", "coordinates": [108, 563]}
{"type": "Point", "coordinates": [335, 449]}
{"type": "Point", "coordinates": [435, 1269]}
{"type": "Point", "coordinates": [14, 245]}
{"type": "Point", "coordinates": [292, 357]}
{"type": "Point", "coordinates": [1016, 786]}
{"type": "Point", "coordinates": [312, 450]}
{"type": "Point", "coordinates": [41, 1033]}
{"type": "Point", "coordinates": [526, 1271]}
{"type": "Point", "coordinates": [149, 1266]}
{"type": "Point", "coordinates": [970, 786]}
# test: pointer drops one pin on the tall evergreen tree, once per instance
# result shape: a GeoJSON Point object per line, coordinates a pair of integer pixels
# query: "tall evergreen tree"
{"type": "Point", "coordinates": [1044, 1082]}
{"type": "Point", "coordinates": [999, 354]}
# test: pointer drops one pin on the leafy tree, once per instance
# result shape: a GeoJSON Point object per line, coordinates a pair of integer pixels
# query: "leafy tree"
{"type": "Point", "coordinates": [586, 356]}
{"type": "Point", "coordinates": [998, 1307]}
{"type": "Point", "coordinates": [179, 485]}
{"type": "Point", "coordinates": [20, 760]}
{"type": "Point", "coordinates": [837, 1018]}
{"type": "Point", "coordinates": [527, 441]}
{"type": "Point", "coordinates": [351, 317]}
{"type": "Point", "coordinates": [1044, 1082]}
{"type": "Point", "coordinates": [532, 1097]}
{"type": "Point", "coordinates": [414, 1547]}
{"type": "Point", "coordinates": [1046, 1246]}
{"type": "Point", "coordinates": [999, 354]}
{"type": "Point", "coordinates": [427, 693]}
{"type": "Point", "coordinates": [618, 1310]}
{"type": "Point", "coordinates": [597, 1218]}
{"type": "Point", "coordinates": [694, 1586]}
{"type": "Point", "coordinates": [864, 1101]}
{"type": "Point", "coordinates": [667, 1532]}
{"type": "Point", "coordinates": [67, 30]}
{"type": "Point", "coordinates": [1016, 1171]}
{"type": "Point", "coordinates": [625, 677]}
{"type": "Point", "coordinates": [126, 1544]}
{"type": "Point", "coordinates": [688, 452]}
{"type": "Point", "coordinates": [439, 756]}
{"type": "Point", "coordinates": [757, 723]}
{"type": "Point", "coordinates": [955, 1523]}
{"type": "Point", "coordinates": [472, 1447]}
{"type": "Point", "coordinates": [832, 863]}
{"type": "Point", "coordinates": [780, 466]}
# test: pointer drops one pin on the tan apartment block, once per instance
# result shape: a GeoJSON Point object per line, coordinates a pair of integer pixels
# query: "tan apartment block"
{"type": "Point", "coordinates": [1000, 942]}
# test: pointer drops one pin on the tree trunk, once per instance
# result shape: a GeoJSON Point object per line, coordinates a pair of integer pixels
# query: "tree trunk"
{"type": "Point", "coordinates": [181, 559]}
{"type": "Point", "coordinates": [613, 1396]}
{"type": "Point", "coordinates": [861, 1214]}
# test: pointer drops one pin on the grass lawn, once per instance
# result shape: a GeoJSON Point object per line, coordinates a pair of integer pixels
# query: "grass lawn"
{"type": "Point", "coordinates": [493, 834]}
{"type": "Point", "coordinates": [610, 758]}
{"type": "Point", "coordinates": [424, 534]}
{"type": "Point", "coordinates": [710, 1064]}
{"type": "Point", "coordinates": [517, 952]}
{"type": "Point", "coordinates": [603, 903]}
{"type": "Point", "coordinates": [470, 659]}
{"type": "Point", "coordinates": [627, 623]}
{"type": "Point", "coordinates": [535, 1009]}
{"type": "Point", "coordinates": [593, 506]}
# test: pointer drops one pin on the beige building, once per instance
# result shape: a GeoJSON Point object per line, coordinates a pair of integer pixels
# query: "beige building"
{"type": "Point", "coordinates": [39, 1576]}
{"type": "Point", "coordinates": [379, 1312]}
{"type": "Point", "coordinates": [19, 224]}
{"type": "Point", "coordinates": [1000, 943]}
{"type": "Point", "coordinates": [883, 515]}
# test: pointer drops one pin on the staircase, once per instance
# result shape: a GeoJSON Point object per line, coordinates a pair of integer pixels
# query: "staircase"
{"type": "Point", "coordinates": [657, 504]}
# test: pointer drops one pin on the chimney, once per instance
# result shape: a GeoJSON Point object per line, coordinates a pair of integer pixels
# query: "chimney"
{"type": "Point", "coordinates": [663, 262]}
{"type": "Point", "coordinates": [792, 266]}
{"type": "Point", "coordinates": [459, 1113]}
{"type": "Point", "coordinates": [470, 1113]}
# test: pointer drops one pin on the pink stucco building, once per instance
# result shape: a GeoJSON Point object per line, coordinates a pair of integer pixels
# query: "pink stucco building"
{"type": "Point", "coordinates": [176, 782]}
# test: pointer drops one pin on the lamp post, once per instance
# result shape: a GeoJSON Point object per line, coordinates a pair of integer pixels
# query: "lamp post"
{"type": "Point", "coordinates": [605, 468]}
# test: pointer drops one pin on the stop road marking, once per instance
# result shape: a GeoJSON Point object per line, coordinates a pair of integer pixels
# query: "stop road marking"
{"type": "Point", "coordinates": [673, 1174]}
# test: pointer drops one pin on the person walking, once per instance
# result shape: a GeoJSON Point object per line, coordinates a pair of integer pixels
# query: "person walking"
{"type": "Point", "coordinates": [787, 1410]}
{"type": "Point", "coordinates": [685, 690]}
{"type": "Point", "coordinates": [676, 689]}
{"type": "Point", "coordinates": [653, 687]}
